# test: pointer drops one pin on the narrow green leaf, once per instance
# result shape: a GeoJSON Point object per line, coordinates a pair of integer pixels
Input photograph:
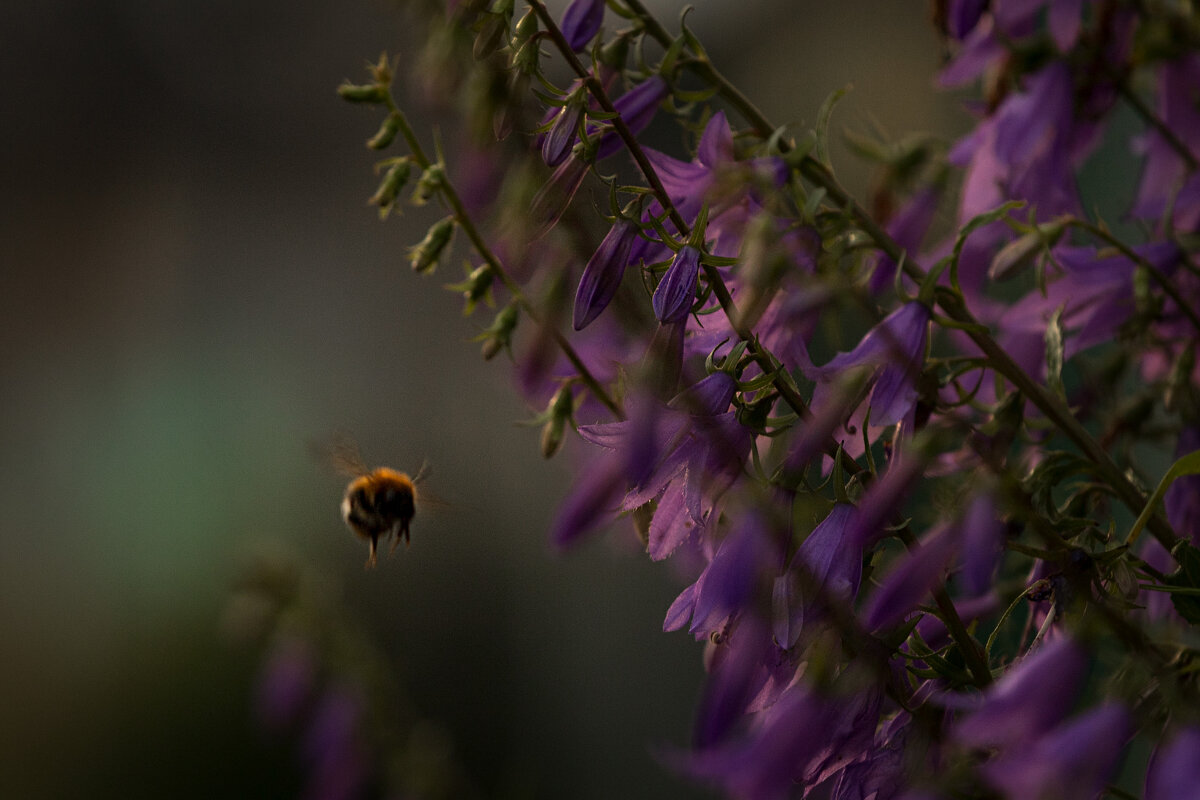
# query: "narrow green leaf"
{"type": "Point", "coordinates": [1187, 465]}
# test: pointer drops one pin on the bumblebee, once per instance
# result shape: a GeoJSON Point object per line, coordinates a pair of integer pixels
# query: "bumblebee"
{"type": "Point", "coordinates": [378, 502]}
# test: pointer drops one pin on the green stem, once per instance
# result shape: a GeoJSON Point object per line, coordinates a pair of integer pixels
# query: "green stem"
{"type": "Point", "coordinates": [468, 226]}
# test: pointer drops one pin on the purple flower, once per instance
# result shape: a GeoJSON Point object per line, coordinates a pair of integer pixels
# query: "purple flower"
{"type": "Point", "coordinates": [895, 348]}
{"type": "Point", "coordinates": [962, 15]}
{"type": "Point", "coordinates": [911, 579]}
{"type": "Point", "coordinates": [983, 545]}
{"type": "Point", "coordinates": [908, 228]}
{"type": "Point", "coordinates": [766, 764]}
{"type": "Point", "coordinates": [1033, 696]}
{"type": "Point", "coordinates": [591, 502]}
{"type": "Point", "coordinates": [827, 567]}
{"type": "Point", "coordinates": [1166, 178]}
{"type": "Point", "coordinates": [333, 747]}
{"type": "Point", "coordinates": [548, 205]}
{"type": "Point", "coordinates": [286, 682]}
{"type": "Point", "coordinates": [581, 21]}
{"type": "Point", "coordinates": [689, 453]}
{"type": "Point", "coordinates": [1174, 772]}
{"type": "Point", "coordinates": [673, 298]}
{"type": "Point", "coordinates": [557, 144]}
{"type": "Point", "coordinates": [636, 107]}
{"type": "Point", "coordinates": [736, 569]}
{"type": "Point", "coordinates": [1183, 498]}
{"type": "Point", "coordinates": [1071, 762]}
{"type": "Point", "coordinates": [602, 275]}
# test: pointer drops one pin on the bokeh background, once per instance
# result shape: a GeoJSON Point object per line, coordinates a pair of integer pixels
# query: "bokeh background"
{"type": "Point", "coordinates": [194, 293]}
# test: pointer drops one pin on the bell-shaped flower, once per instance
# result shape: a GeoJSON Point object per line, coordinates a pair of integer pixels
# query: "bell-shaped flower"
{"type": "Point", "coordinates": [1167, 181]}
{"type": "Point", "coordinates": [1071, 762]}
{"type": "Point", "coordinates": [1032, 697]}
{"type": "Point", "coordinates": [636, 108]}
{"type": "Point", "coordinates": [826, 568]}
{"type": "Point", "coordinates": [911, 579]}
{"type": "Point", "coordinates": [895, 350]}
{"type": "Point", "coordinates": [581, 22]}
{"type": "Point", "coordinates": [557, 144]}
{"type": "Point", "coordinates": [602, 275]}
{"type": "Point", "coordinates": [1174, 771]}
{"type": "Point", "coordinates": [766, 763]}
{"type": "Point", "coordinates": [677, 290]}
{"type": "Point", "coordinates": [691, 450]}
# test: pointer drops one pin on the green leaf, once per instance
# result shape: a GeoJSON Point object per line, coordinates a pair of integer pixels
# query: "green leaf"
{"type": "Point", "coordinates": [1187, 465]}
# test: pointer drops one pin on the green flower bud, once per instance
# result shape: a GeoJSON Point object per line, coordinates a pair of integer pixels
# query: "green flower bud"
{"type": "Point", "coordinates": [499, 335]}
{"type": "Point", "coordinates": [490, 36]}
{"type": "Point", "coordinates": [386, 133]}
{"type": "Point", "coordinates": [432, 180]}
{"type": "Point", "coordinates": [562, 406]}
{"type": "Point", "coordinates": [393, 181]}
{"type": "Point", "coordinates": [425, 255]}
{"type": "Point", "coordinates": [366, 93]}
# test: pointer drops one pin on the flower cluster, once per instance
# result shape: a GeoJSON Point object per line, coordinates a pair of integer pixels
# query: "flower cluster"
{"type": "Point", "coordinates": [901, 470]}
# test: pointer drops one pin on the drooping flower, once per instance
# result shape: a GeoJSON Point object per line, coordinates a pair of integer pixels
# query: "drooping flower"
{"type": "Point", "coordinates": [557, 144]}
{"type": "Point", "coordinates": [636, 108]}
{"type": "Point", "coordinates": [1174, 772]}
{"type": "Point", "coordinates": [581, 21]}
{"type": "Point", "coordinates": [827, 567]}
{"type": "Point", "coordinates": [673, 298]}
{"type": "Point", "coordinates": [602, 276]}
{"type": "Point", "coordinates": [911, 579]}
{"type": "Point", "coordinates": [1032, 697]}
{"type": "Point", "coordinates": [698, 448]}
{"type": "Point", "coordinates": [1167, 181]}
{"type": "Point", "coordinates": [895, 350]}
{"type": "Point", "coordinates": [1071, 762]}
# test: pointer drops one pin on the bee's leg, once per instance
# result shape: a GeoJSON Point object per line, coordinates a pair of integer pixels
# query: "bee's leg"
{"type": "Point", "coordinates": [371, 556]}
{"type": "Point", "coordinates": [398, 531]}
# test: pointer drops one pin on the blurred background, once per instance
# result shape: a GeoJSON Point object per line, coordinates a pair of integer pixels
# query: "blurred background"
{"type": "Point", "coordinates": [195, 292]}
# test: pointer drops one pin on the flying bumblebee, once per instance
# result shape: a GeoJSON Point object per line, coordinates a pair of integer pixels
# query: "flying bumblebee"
{"type": "Point", "coordinates": [378, 502]}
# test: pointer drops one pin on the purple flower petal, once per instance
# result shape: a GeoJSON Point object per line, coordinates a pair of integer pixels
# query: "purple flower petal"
{"type": "Point", "coordinates": [1033, 695]}
{"type": "Point", "coordinates": [602, 276]}
{"type": "Point", "coordinates": [581, 21]}
{"type": "Point", "coordinates": [673, 298]}
{"type": "Point", "coordinates": [1174, 772]}
{"type": "Point", "coordinates": [636, 107]}
{"type": "Point", "coordinates": [1071, 762]}
{"type": "Point", "coordinates": [910, 581]}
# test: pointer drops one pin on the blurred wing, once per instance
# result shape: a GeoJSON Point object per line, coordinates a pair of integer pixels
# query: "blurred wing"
{"type": "Point", "coordinates": [342, 453]}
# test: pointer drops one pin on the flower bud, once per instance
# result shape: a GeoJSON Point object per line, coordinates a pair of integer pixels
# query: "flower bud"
{"type": "Point", "coordinates": [562, 405]}
{"type": "Point", "coordinates": [636, 107]}
{"type": "Point", "coordinates": [425, 255]}
{"type": "Point", "coordinates": [548, 205]}
{"type": "Point", "coordinates": [491, 34]}
{"type": "Point", "coordinates": [581, 22]}
{"type": "Point", "coordinates": [673, 298]}
{"type": "Point", "coordinates": [499, 335]}
{"type": "Point", "coordinates": [557, 144]}
{"type": "Point", "coordinates": [386, 133]}
{"type": "Point", "coordinates": [603, 273]}
{"type": "Point", "coordinates": [475, 287]}
{"type": "Point", "coordinates": [393, 181]}
{"type": "Point", "coordinates": [432, 180]}
{"type": "Point", "coordinates": [365, 93]}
